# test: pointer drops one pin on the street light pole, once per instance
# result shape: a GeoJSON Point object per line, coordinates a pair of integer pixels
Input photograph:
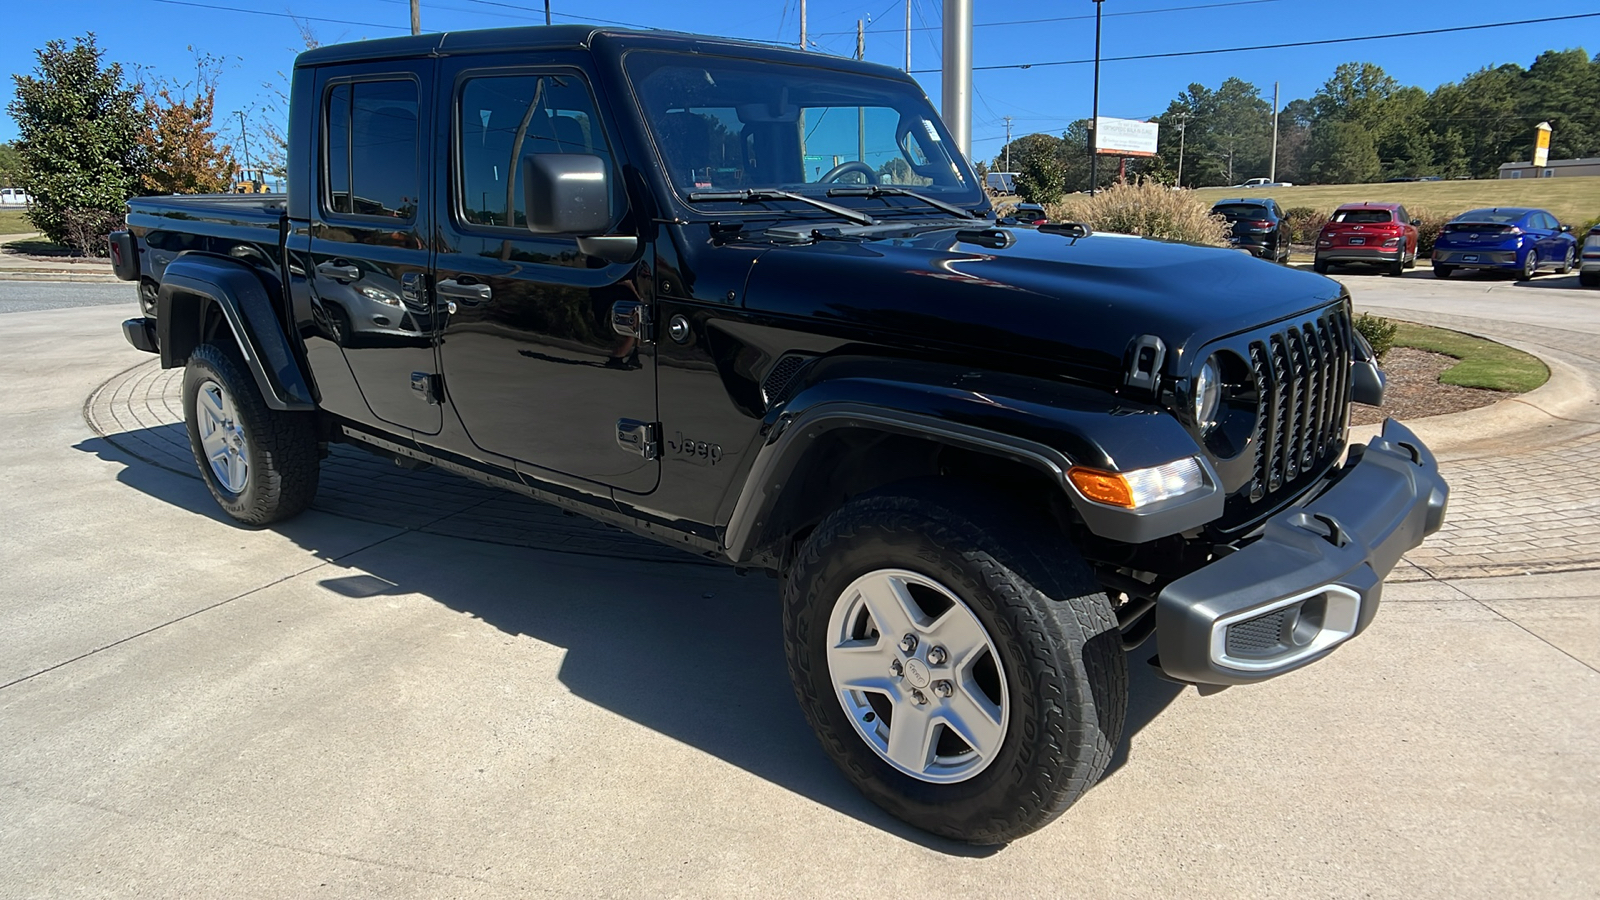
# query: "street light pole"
{"type": "Point", "coordinates": [416, 16]}
{"type": "Point", "coordinates": [1094, 120]}
{"type": "Point", "coordinates": [1183, 132]}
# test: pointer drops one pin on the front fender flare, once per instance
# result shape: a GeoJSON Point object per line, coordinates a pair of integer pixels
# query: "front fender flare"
{"type": "Point", "coordinates": [1058, 428]}
{"type": "Point", "coordinates": [248, 307]}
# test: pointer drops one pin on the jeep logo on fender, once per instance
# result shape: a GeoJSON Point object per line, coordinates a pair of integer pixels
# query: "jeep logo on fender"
{"type": "Point", "coordinates": [698, 451]}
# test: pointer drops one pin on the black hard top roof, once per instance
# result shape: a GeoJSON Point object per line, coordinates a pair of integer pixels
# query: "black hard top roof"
{"type": "Point", "coordinates": [571, 37]}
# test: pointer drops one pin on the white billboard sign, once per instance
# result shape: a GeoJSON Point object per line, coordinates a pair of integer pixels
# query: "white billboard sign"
{"type": "Point", "coordinates": [1125, 137]}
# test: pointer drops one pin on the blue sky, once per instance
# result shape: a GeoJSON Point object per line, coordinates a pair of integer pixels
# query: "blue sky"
{"type": "Point", "coordinates": [156, 35]}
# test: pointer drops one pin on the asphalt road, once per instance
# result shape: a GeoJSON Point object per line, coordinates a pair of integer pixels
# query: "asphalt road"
{"type": "Point", "coordinates": [353, 709]}
{"type": "Point", "coordinates": [37, 296]}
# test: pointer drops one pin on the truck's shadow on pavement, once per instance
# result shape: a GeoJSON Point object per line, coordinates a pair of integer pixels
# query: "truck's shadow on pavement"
{"type": "Point", "coordinates": [691, 651]}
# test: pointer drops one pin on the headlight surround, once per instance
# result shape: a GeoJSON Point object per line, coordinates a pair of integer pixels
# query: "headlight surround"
{"type": "Point", "coordinates": [1205, 395]}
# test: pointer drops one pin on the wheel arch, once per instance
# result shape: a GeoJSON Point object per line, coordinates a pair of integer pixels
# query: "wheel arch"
{"type": "Point", "coordinates": [840, 439]}
{"type": "Point", "coordinates": [198, 286]}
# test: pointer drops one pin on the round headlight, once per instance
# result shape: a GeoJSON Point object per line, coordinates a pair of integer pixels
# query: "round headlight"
{"type": "Point", "coordinates": [1207, 395]}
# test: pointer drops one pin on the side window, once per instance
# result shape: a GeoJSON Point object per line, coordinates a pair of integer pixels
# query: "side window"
{"type": "Point", "coordinates": [502, 118]}
{"type": "Point", "coordinates": [370, 149]}
{"type": "Point", "coordinates": [1402, 216]}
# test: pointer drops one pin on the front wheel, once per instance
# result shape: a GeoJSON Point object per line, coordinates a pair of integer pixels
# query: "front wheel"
{"type": "Point", "coordinates": [1530, 266]}
{"type": "Point", "coordinates": [1567, 262]}
{"type": "Point", "coordinates": [260, 464]}
{"type": "Point", "coordinates": [966, 674]}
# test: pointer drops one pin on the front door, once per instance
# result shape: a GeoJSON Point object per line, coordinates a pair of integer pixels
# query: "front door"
{"type": "Point", "coordinates": [369, 234]}
{"type": "Point", "coordinates": [530, 358]}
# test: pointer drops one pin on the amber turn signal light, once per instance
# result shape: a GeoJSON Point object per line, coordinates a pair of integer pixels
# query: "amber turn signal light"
{"type": "Point", "coordinates": [1102, 487]}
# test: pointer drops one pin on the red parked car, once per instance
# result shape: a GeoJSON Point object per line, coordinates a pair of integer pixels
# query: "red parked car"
{"type": "Point", "coordinates": [1381, 234]}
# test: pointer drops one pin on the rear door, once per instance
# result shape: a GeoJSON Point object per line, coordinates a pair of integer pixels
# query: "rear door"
{"type": "Point", "coordinates": [370, 227]}
{"type": "Point", "coordinates": [533, 363]}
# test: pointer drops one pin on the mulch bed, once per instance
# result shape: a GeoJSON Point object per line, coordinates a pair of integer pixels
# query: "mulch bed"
{"type": "Point", "coordinates": [1414, 390]}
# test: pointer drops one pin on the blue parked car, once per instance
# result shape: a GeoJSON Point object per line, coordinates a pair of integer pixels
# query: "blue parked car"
{"type": "Point", "coordinates": [1510, 238]}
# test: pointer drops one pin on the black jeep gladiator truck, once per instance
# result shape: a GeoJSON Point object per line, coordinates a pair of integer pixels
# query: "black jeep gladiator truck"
{"type": "Point", "coordinates": [754, 303]}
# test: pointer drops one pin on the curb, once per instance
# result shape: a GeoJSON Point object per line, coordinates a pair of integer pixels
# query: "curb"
{"type": "Point", "coordinates": [1516, 424]}
{"type": "Point", "coordinates": [71, 277]}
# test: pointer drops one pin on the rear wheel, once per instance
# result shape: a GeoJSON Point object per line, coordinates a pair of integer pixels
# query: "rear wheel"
{"type": "Point", "coordinates": [260, 464]}
{"type": "Point", "coordinates": [1398, 267]}
{"type": "Point", "coordinates": [1567, 261]}
{"type": "Point", "coordinates": [1319, 266]}
{"type": "Point", "coordinates": [963, 670]}
{"type": "Point", "coordinates": [1530, 265]}
{"type": "Point", "coordinates": [1442, 271]}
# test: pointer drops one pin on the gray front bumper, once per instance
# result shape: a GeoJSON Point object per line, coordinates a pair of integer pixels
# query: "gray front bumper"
{"type": "Point", "coordinates": [1314, 577]}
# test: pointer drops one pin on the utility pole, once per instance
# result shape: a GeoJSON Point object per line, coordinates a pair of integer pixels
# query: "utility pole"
{"type": "Point", "coordinates": [547, 12]}
{"type": "Point", "coordinates": [861, 111]}
{"type": "Point", "coordinates": [802, 24]}
{"type": "Point", "coordinates": [1273, 174]}
{"type": "Point", "coordinates": [956, 80]}
{"type": "Point", "coordinates": [1183, 132]}
{"type": "Point", "coordinates": [1008, 143]}
{"type": "Point", "coordinates": [416, 16]}
{"type": "Point", "coordinates": [908, 35]}
{"type": "Point", "coordinates": [1094, 120]}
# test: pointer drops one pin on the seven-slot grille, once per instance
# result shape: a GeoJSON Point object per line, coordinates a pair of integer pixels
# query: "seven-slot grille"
{"type": "Point", "coordinates": [1302, 376]}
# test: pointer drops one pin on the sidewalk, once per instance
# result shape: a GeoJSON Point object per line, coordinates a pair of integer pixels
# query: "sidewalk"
{"type": "Point", "coordinates": [16, 266]}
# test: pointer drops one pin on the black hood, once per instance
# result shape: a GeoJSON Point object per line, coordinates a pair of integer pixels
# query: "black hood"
{"type": "Point", "coordinates": [1075, 301]}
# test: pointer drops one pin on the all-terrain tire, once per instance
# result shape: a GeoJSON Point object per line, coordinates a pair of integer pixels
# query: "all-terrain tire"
{"type": "Point", "coordinates": [279, 449]}
{"type": "Point", "coordinates": [1054, 634]}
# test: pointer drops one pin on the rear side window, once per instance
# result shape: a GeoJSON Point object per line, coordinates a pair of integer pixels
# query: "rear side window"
{"type": "Point", "coordinates": [503, 118]}
{"type": "Point", "coordinates": [370, 150]}
{"type": "Point", "coordinates": [1362, 216]}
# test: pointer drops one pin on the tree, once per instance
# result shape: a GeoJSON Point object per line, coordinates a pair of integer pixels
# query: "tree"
{"type": "Point", "coordinates": [10, 166]}
{"type": "Point", "coordinates": [79, 127]}
{"type": "Point", "coordinates": [180, 138]}
{"type": "Point", "coordinates": [1036, 158]}
{"type": "Point", "coordinates": [1343, 153]}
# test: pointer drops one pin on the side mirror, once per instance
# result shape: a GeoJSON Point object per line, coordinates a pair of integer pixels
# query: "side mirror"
{"type": "Point", "coordinates": [1416, 221]}
{"type": "Point", "coordinates": [566, 193]}
{"type": "Point", "coordinates": [1566, 229]}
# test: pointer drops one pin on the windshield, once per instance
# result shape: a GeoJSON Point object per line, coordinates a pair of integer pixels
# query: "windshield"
{"type": "Point", "coordinates": [733, 124]}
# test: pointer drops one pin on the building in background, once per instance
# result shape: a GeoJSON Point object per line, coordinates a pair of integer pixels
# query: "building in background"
{"type": "Point", "coordinates": [1555, 168]}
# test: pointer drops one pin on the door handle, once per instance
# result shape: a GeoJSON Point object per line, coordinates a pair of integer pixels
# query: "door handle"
{"type": "Point", "coordinates": [469, 292]}
{"type": "Point", "coordinates": [339, 269]}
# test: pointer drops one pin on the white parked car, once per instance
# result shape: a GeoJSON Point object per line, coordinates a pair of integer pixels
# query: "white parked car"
{"type": "Point", "coordinates": [1589, 268]}
{"type": "Point", "coordinates": [1263, 182]}
{"type": "Point", "coordinates": [14, 197]}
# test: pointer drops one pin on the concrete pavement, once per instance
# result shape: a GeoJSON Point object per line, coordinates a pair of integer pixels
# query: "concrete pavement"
{"type": "Point", "coordinates": [357, 708]}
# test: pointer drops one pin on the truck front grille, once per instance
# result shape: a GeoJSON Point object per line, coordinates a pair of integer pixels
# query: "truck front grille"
{"type": "Point", "coordinates": [1302, 376]}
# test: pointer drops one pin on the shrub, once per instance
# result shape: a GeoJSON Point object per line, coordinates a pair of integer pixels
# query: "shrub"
{"type": "Point", "coordinates": [1583, 229]}
{"type": "Point", "coordinates": [1429, 224]}
{"type": "Point", "coordinates": [1378, 331]}
{"type": "Point", "coordinates": [1304, 223]}
{"type": "Point", "coordinates": [1148, 209]}
{"type": "Point", "coordinates": [84, 229]}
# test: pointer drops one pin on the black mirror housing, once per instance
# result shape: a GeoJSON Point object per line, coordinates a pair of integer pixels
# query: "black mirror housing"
{"type": "Point", "coordinates": [566, 193]}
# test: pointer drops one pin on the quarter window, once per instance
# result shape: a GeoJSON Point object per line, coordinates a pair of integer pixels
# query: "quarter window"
{"type": "Point", "coordinates": [502, 119]}
{"type": "Point", "coordinates": [370, 154]}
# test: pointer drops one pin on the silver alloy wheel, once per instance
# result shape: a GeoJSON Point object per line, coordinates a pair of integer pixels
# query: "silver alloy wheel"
{"type": "Point", "coordinates": [1530, 264]}
{"type": "Point", "coordinates": [918, 676]}
{"type": "Point", "coordinates": [222, 437]}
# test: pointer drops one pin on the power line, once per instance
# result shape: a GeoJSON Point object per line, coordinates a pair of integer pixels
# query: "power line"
{"type": "Point", "coordinates": [1320, 43]}
{"type": "Point", "coordinates": [561, 15]}
{"type": "Point", "coordinates": [1137, 12]}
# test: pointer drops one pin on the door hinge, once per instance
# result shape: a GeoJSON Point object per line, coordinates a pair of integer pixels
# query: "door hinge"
{"type": "Point", "coordinates": [428, 387]}
{"type": "Point", "coordinates": [639, 437]}
{"type": "Point", "coordinates": [631, 318]}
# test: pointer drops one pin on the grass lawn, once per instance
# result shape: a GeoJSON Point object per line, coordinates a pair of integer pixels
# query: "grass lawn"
{"type": "Point", "coordinates": [1572, 200]}
{"type": "Point", "coordinates": [13, 221]}
{"type": "Point", "coordinates": [1484, 364]}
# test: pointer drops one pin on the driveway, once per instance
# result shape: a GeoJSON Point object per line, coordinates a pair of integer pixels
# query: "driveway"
{"type": "Point", "coordinates": [353, 705]}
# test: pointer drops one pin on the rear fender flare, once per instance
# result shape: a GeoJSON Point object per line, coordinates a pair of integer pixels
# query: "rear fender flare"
{"type": "Point", "coordinates": [194, 280]}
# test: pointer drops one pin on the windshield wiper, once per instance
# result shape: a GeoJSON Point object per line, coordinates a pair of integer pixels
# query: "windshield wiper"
{"type": "Point", "coordinates": [878, 190]}
{"type": "Point", "coordinates": [756, 195]}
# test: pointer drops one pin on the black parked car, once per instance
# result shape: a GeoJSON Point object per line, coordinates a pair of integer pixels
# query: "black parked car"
{"type": "Point", "coordinates": [1257, 226]}
{"type": "Point", "coordinates": [985, 461]}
